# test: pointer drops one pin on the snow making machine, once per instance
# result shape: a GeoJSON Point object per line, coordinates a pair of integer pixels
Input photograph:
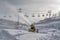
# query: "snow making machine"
{"type": "Point", "coordinates": [32, 28]}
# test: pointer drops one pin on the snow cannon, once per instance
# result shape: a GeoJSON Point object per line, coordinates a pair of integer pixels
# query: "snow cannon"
{"type": "Point", "coordinates": [32, 28]}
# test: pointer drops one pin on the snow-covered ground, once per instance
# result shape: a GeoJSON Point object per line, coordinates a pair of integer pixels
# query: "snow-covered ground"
{"type": "Point", "coordinates": [9, 32]}
{"type": "Point", "coordinates": [14, 34]}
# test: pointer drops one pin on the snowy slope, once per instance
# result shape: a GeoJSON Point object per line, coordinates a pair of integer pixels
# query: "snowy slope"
{"type": "Point", "coordinates": [48, 30]}
{"type": "Point", "coordinates": [9, 24]}
{"type": "Point", "coordinates": [14, 34]}
{"type": "Point", "coordinates": [48, 23]}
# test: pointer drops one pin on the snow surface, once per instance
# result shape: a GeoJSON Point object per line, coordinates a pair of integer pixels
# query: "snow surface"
{"type": "Point", "coordinates": [14, 34]}
{"type": "Point", "coordinates": [46, 31]}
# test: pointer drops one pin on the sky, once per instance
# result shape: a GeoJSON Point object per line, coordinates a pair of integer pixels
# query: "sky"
{"type": "Point", "coordinates": [10, 7]}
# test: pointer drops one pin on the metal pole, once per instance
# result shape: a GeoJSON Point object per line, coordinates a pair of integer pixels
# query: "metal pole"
{"type": "Point", "coordinates": [49, 13]}
{"type": "Point", "coordinates": [19, 10]}
{"type": "Point", "coordinates": [18, 20]}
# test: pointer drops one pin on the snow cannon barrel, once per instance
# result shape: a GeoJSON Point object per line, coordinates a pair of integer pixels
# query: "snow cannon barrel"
{"type": "Point", "coordinates": [32, 28]}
